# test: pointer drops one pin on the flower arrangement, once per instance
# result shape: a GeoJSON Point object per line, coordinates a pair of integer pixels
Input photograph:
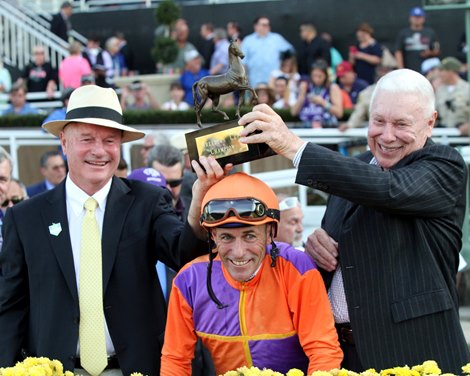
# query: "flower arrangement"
{"type": "Point", "coordinates": [36, 367]}
{"type": "Point", "coordinates": [428, 368]}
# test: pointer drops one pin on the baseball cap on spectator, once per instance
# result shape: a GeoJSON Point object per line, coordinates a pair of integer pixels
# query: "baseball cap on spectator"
{"type": "Point", "coordinates": [450, 64]}
{"type": "Point", "coordinates": [343, 68]}
{"type": "Point", "coordinates": [190, 55]}
{"type": "Point", "coordinates": [417, 12]}
{"type": "Point", "coordinates": [428, 64]}
{"type": "Point", "coordinates": [148, 175]}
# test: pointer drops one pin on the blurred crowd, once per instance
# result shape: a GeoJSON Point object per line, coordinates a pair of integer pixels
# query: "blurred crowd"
{"type": "Point", "coordinates": [316, 83]}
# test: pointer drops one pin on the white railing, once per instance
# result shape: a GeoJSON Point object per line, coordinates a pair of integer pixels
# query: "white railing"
{"type": "Point", "coordinates": [19, 33]}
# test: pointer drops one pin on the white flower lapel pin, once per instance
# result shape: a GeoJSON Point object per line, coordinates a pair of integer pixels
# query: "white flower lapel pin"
{"type": "Point", "coordinates": [55, 229]}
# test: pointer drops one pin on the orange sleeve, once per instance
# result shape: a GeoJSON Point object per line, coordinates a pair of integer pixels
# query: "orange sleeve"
{"type": "Point", "coordinates": [180, 337]}
{"type": "Point", "coordinates": [313, 320]}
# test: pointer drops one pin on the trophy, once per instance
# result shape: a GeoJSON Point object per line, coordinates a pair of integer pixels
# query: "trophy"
{"type": "Point", "coordinates": [222, 140]}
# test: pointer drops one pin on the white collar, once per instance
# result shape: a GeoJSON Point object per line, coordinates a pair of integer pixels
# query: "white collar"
{"type": "Point", "coordinates": [77, 197]}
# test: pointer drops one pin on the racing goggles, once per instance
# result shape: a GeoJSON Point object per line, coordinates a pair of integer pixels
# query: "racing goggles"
{"type": "Point", "coordinates": [247, 209]}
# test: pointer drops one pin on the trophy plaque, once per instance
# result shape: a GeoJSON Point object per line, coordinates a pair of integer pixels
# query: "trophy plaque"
{"type": "Point", "coordinates": [221, 141]}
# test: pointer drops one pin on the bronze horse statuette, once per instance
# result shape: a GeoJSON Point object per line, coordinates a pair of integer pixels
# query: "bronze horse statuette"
{"type": "Point", "coordinates": [213, 87]}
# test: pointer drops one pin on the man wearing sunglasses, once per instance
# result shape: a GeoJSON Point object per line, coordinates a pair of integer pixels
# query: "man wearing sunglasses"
{"type": "Point", "coordinates": [252, 301]}
{"type": "Point", "coordinates": [16, 194]}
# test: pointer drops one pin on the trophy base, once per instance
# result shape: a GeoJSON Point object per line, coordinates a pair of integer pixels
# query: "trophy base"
{"type": "Point", "coordinates": [222, 142]}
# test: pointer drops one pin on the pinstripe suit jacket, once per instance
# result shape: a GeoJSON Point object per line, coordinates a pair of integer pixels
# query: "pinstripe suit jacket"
{"type": "Point", "coordinates": [399, 236]}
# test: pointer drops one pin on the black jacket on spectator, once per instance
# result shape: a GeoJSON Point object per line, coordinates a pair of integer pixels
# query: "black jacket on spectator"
{"type": "Point", "coordinates": [318, 48]}
{"type": "Point", "coordinates": [59, 26]}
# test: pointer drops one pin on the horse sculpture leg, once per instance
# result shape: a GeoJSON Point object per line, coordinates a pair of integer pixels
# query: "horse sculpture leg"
{"type": "Point", "coordinates": [241, 101]}
{"type": "Point", "coordinates": [215, 106]}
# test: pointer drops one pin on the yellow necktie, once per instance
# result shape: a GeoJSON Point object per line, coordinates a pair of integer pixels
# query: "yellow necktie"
{"type": "Point", "coordinates": [93, 357]}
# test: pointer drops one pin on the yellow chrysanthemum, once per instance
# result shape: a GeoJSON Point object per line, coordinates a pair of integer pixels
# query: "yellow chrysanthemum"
{"type": "Point", "coordinates": [466, 368]}
{"type": "Point", "coordinates": [295, 372]}
{"type": "Point", "coordinates": [136, 374]}
{"type": "Point", "coordinates": [321, 373]}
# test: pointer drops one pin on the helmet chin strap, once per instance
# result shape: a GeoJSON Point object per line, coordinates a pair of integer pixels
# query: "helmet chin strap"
{"type": "Point", "coordinates": [210, 291]}
{"type": "Point", "coordinates": [274, 249]}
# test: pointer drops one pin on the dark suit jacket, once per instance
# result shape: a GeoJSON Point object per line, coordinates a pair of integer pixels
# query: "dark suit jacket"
{"type": "Point", "coordinates": [399, 236]}
{"type": "Point", "coordinates": [37, 188]}
{"type": "Point", "coordinates": [39, 309]}
{"type": "Point", "coordinates": [59, 26]}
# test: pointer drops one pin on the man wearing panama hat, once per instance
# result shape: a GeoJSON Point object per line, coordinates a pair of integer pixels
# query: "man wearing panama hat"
{"type": "Point", "coordinates": [44, 276]}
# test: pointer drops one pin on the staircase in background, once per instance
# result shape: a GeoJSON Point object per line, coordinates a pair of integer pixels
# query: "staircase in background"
{"type": "Point", "coordinates": [22, 28]}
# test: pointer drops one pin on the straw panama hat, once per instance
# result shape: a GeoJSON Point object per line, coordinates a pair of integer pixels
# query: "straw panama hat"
{"type": "Point", "coordinates": [94, 105]}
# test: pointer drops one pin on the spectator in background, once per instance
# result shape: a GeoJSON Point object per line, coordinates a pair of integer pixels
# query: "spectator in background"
{"type": "Point", "coordinates": [366, 54]}
{"type": "Point", "coordinates": [59, 113]}
{"type": "Point", "coordinates": [18, 104]}
{"type": "Point", "coordinates": [219, 59]}
{"type": "Point", "coordinates": [16, 193]}
{"type": "Point", "coordinates": [100, 62]}
{"type": "Point", "coordinates": [119, 62]}
{"type": "Point", "coordinates": [416, 42]}
{"type": "Point", "coordinates": [336, 57]}
{"type": "Point", "coordinates": [150, 140]}
{"type": "Point", "coordinates": [207, 49]}
{"type": "Point", "coordinates": [262, 51]}
{"type": "Point", "coordinates": [169, 161]}
{"type": "Point", "coordinates": [348, 81]}
{"type": "Point", "coordinates": [291, 227]}
{"type": "Point", "coordinates": [122, 169]}
{"type": "Point", "coordinates": [193, 72]}
{"type": "Point", "coordinates": [452, 100]}
{"type": "Point", "coordinates": [234, 31]}
{"type": "Point", "coordinates": [289, 71]}
{"type": "Point", "coordinates": [38, 75]}
{"type": "Point", "coordinates": [73, 67]}
{"type": "Point", "coordinates": [313, 47]}
{"type": "Point", "coordinates": [284, 97]}
{"type": "Point", "coordinates": [140, 96]}
{"type": "Point", "coordinates": [176, 102]}
{"type": "Point", "coordinates": [127, 52]}
{"type": "Point", "coordinates": [319, 104]}
{"type": "Point", "coordinates": [88, 80]}
{"type": "Point", "coordinates": [60, 23]}
{"type": "Point", "coordinates": [430, 69]}
{"type": "Point", "coordinates": [5, 78]}
{"type": "Point", "coordinates": [181, 34]}
{"type": "Point", "coordinates": [265, 94]}
{"type": "Point", "coordinates": [52, 168]}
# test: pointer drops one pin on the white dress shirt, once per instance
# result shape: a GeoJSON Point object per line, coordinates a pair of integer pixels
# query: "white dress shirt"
{"type": "Point", "coordinates": [75, 199]}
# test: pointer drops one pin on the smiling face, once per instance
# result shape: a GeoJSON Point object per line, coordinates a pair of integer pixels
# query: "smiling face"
{"type": "Point", "coordinates": [242, 249]}
{"type": "Point", "coordinates": [398, 126]}
{"type": "Point", "coordinates": [93, 154]}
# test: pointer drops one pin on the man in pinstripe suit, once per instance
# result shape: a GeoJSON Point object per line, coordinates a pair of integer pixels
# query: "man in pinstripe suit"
{"type": "Point", "coordinates": [391, 235]}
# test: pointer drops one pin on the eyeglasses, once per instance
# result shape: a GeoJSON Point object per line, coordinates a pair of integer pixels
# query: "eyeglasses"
{"type": "Point", "coordinates": [289, 203]}
{"type": "Point", "coordinates": [174, 183]}
{"type": "Point", "coordinates": [246, 208]}
{"type": "Point", "coordinates": [14, 200]}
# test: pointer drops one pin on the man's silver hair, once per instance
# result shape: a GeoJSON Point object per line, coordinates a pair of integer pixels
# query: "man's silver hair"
{"type": "Point", "coordinates": [407, 81]}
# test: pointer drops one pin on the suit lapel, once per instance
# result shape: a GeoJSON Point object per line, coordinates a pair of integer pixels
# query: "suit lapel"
{"type": "Point", "coordinates": [54, 213]}
{"type": "Point", "coordinates": [117, 207]}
